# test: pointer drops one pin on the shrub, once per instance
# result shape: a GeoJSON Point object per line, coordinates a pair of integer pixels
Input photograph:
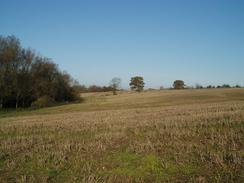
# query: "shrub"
{"type": "Point", "coordinates": [44, 101]}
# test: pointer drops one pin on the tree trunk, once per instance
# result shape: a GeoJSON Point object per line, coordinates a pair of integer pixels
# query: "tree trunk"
{"type": "Point", "coordinates": [17, 102]}
{"type": "Point", "coordinates": [114, 92]}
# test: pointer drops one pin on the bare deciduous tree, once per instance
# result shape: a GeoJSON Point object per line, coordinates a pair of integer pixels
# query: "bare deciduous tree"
{"type": "Point", "coordinates": [115, 84]}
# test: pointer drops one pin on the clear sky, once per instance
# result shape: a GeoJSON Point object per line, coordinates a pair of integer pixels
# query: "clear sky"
{"type": "Point", "coordinates": [198, 41]}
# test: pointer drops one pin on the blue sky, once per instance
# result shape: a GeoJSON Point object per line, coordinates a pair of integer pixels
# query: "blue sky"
{"type": "Point", "coordinates": [198, 41]}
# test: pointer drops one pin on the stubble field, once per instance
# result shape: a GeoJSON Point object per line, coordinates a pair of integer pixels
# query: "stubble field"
{"type": "Point", "coordinates": [154, 136]}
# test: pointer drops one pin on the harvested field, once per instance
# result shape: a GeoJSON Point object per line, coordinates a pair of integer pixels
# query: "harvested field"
{"type": "Point", "coordinates": [156, 136]}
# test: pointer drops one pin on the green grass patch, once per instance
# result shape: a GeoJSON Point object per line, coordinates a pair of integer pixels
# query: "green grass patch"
{"type": "Point", "coordinates": [138, 167]}
{"type": "Point", "coordinates": [146, 167]}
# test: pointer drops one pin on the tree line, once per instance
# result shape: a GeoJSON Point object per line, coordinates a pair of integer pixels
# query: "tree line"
{"type": "Point", "coordinates": [27, 78]}
{"type": "Point", "coordinates": [137, 84]}
{"type": "Point", "coordinates": [94, 88]}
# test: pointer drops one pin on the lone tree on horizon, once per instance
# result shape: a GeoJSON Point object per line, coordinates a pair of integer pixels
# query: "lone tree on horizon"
{"type": "Point", "coordinates": [115, 84]}
{"type": "Point", "coordinates": [179, 84]}
{"type": "Point", "coordinates": [137, 83]}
